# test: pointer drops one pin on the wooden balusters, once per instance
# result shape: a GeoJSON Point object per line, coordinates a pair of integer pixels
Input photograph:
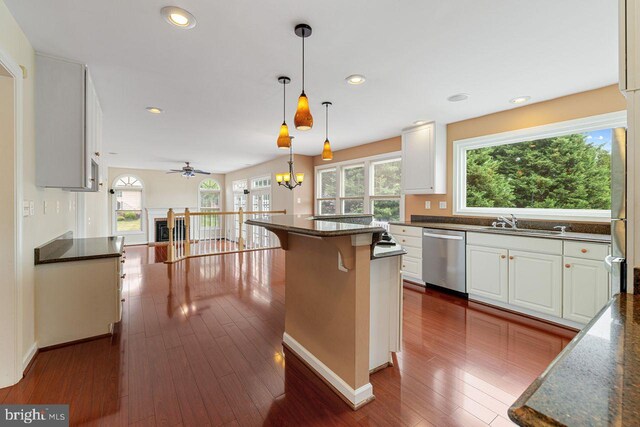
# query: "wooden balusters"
{"type": "Point", "coordinates": [187, 232]}
{"type": "Point", "coordinates": [171, 250]}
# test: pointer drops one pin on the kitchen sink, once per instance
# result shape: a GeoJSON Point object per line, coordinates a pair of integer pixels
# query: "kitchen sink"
{"type": "Point", "coordinates": [524, 231]}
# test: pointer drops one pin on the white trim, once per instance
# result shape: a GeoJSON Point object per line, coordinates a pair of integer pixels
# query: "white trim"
{"type": "Point", "coordinates": [355, 397]}
{"type": "Point", "coordinates": [29, 356]}
{"type": "Point", "coordinates": [114, 205]}
{"type": "Point", "coordinates": [532, 313]}
{"type": "Point", "coordinates": [460, 147]}
{"type": "Point", "coordinates": [15, 372]}
{"type": "Point", "coordinates": [366, 162]}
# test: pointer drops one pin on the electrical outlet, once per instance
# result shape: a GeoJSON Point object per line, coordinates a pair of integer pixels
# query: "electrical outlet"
{"type": "Point", "coordinates": [45, 207]}
{"type": "Point", "coordinates": [443, 205]}
{"type": "Point", "coordinates": [57, 206]}
{"type": "Point", "coordinates": [427, 205]}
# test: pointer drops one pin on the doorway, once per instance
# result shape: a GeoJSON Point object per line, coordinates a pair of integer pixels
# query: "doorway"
{"type": "Point", "coordinates": [10, 221]}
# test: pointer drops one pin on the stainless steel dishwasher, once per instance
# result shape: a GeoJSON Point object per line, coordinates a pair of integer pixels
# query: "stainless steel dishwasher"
{"type": "Point", "coordinates": [444, 258]}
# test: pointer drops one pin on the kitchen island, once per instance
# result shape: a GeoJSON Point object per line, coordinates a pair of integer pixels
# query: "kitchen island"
{"type": "Point", "coordinates": [343, 299]}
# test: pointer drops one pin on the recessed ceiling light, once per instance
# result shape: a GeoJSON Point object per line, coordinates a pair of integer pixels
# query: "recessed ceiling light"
{"type": "Point", "coordinates": [420, 122]}
{"type": "Point", "coordinates": [178, 17]}
{"type": "Point", "coordinates": [154, 110]}
{"type": "Point", "coordinates": [520, 99]}
{"type": "Point", "coordinates": [458, 97]}
{"type": "Point", "coordinates": [356, 79]}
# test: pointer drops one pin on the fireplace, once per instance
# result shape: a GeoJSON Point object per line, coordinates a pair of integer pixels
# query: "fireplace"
{"type": "Point", "coordinates": [162, 230]}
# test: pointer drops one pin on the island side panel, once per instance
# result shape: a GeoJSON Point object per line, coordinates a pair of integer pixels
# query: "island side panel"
{"type": "Point", "coordinates": [327, 310]}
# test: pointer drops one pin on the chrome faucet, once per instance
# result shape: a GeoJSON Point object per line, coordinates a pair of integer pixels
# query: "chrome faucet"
{"type": "Point", "coordinates": [513, 222]}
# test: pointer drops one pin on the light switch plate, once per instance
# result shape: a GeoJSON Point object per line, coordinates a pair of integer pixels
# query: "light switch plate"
{"type": "Point", "coordinates": [299, 200]}
{"type": "Point", "coordinates": [427, 205]}
{"type": "Point", "coordinates": [32, 208]}
{"type": "Point", "coordinates": [25, 208]}
{"type": "Point", "coordinates": [45, 207]}
{"type": "Point", "coordinates": [57, 206]}
{"type": "Point", "coordinates": [443, 205]}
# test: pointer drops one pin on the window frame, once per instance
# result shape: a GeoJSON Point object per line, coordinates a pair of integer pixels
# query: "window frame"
{"type": "Point", "coordinates": [461, 147]}
{"type": "Point", "coordinates": [210, 191]}
{"type": "Point", "coordinates": [114, 205]}
{"type": "Point", "coordinates": [368, 197]}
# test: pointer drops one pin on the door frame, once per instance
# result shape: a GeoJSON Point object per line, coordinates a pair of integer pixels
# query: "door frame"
{"type": "Point", "coordinates": [12, 374]}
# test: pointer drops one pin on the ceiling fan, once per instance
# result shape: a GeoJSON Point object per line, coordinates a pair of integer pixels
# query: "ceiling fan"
{"type": "Point", "coordinates": [188, 171]}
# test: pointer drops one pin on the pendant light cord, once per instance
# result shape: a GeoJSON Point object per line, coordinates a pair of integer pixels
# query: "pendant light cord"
{"type": "Point", "coordinates": [284, 100]}
{"type": "Point", "coordinates": [303, 37]}
{"type": "Point", "coordinates": [326, 123]}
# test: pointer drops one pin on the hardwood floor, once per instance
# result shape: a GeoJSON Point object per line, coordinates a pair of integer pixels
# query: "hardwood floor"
{"type": "Point", "coordinates": [200, 344]}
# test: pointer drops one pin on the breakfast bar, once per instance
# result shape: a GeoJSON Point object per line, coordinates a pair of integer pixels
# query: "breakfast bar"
{"type": "Point", "coordinates": [343, 298]}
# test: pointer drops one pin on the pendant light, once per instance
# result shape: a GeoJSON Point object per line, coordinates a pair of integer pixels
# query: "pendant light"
{"type": "Point", "coordinates": [303, 119]}
{"type": "Point", "coordinates": [290, 179]}
{"type": "Point", "coordinates": [284, 140]}
{"type": "Point", "coordinates": [327, 154]}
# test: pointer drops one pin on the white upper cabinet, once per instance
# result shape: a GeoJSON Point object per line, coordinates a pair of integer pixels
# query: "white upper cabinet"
{"type": "Point", "coordinates": [424, 150]}
{"type": "Point", "coordinates": [68, 125]}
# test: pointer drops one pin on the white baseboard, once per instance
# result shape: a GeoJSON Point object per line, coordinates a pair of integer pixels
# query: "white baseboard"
{"type": "Point", "coordinates": [355, 397]}
{"type": "Point", "coordinates": [29, 355]}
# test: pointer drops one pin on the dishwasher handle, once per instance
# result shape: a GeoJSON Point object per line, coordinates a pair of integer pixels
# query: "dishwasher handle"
{"type": "Point", "coordinates": [442, 236]}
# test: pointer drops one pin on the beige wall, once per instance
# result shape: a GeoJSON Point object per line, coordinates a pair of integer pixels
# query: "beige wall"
{"type": "Point", "coordinates": [599, 101]}
{"type": "Point", "coordinates": [41, 227]}
{"type": "Point", "coordinates": [161, 190]}
{"type": "Point", "coordinates": [365, 150]}
{"type": "Point", "coordinates": [296, 201]}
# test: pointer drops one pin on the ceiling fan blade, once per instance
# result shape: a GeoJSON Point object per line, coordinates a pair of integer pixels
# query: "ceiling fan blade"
{"type": "Point", "coordinates": [174, 171]}
{"type": "Point", "coordinates": [202, 172]}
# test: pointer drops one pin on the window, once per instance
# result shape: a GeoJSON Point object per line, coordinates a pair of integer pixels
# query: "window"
{"type": "Point", "coordinates": [362, 186]}
{"type": "Point", "coordinates": [558, 170]}
{"type": "Point", "coordinates": [128, 205]}
{"type": "Point", "coordinates": [209, 196]}
{"type": "Point", "coordinates": [263, 182]}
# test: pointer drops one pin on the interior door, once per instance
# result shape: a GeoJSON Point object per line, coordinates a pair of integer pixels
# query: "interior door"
{"type": "Point", "coordinates": [260, 202]}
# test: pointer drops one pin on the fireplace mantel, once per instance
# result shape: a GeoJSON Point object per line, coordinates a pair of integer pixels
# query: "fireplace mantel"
{"type": "Point", "coordinates": [160, 213]}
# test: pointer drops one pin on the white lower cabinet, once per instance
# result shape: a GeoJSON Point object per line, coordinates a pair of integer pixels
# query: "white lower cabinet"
{"type": "Point", "coordinates": [487, 272]}
{"type": "Point", "coordinates": [586, 288]}
{"type": "Point", "coordinates": [565, 282]}
{"type": "Point", "coordinates": [410, 238]}
{"type": "Point", "coordinates": [535, 282]}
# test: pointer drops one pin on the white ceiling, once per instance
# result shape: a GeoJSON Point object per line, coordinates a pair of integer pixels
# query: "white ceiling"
{"type": "Point", "coordinates": [217, 82]}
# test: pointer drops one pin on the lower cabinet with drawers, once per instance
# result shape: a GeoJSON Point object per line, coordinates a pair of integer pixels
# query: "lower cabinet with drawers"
{"type": "Point", "coordinates": [561, 281]}
{"type": "Point", "coordinates": [410, 238]}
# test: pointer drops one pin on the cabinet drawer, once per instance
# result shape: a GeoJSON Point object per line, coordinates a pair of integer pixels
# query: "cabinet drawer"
{"type": "Point", "coordinates": [416, 242]}
{"type": "Point", "coordinates": [413, 252]}
{"type": "Point", "coordinates": [403, 230]}
{"type": "Point", "coordinates": [595, 251]}
{"type": "Point", "coordinates": [411, 266]}
{"type": "Point", "coordinates": [521, 243]}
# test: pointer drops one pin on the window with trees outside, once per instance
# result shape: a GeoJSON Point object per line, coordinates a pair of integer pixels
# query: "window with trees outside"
{"type": "Point", "coordinates": [362, 186]}
{"type": "Point", "coordinates": [209, 201]}
{"type": "Point", "coordinates": [559, 170]}
{"type": "Point", "coordinates": [128, 204]}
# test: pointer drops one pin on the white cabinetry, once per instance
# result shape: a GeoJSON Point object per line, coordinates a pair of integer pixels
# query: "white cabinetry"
{"type": "Point", "coordinates": [488, 272]}
{"type": "Point", "coordinates": [411, 240]}
{"type": "Point", "coordinates": [424, 159]}
{"type": "Point", "coordinates": [535, 281]}
{"type": "Point", "coordinates": [68, 125]}
{"type": "Point", "coordinates": [586, 280]}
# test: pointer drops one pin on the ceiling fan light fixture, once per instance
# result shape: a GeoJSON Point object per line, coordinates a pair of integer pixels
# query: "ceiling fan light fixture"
{"type": "Point", "coordinates": [178, 17]}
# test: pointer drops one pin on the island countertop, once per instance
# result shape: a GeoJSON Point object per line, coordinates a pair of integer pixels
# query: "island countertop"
{"type": "Point", "coordinates": [306, 224]}
{"type": "Point", "coordinates": [596, 379]}
{"type": "Point", "coordinates": [66, 249]}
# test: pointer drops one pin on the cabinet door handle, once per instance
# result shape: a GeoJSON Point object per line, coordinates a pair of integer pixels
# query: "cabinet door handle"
{"type": "Point", "coordinates": [503, 256]}
{"type": "Point", "coordinates": [584, 251]}
{"type": "Point", "coordinates": [510, 257]}
{"type": "Point", "coordinates": [568, 265]}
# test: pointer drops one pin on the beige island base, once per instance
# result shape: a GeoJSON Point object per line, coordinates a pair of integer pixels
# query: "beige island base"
{"type": "Point", "coordinates": [343, 300]}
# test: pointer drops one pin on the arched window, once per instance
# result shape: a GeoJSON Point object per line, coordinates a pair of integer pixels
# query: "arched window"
{"type": "Point", "coordinates": [128, 205]}
{"type": "Point", "coordinates": [209, 196]}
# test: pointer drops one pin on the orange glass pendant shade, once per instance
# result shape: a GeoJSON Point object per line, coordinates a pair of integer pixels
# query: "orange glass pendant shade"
{"type": "Point", "coordinates": [327, 154]}
{"type": "Point", "coordinates": [284, 140]}
{"type": "Point", "coordinates": [303, 118]}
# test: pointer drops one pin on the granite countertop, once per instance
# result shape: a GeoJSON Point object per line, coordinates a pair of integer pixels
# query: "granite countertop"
{"type": "Point", "coordinates": [65, 249]}
{"type": "Point", "coordinates": [305, 224]}
{"type": "Point", "coordinates": [583, 237]}
{"type": "Point", "coordinates": [595, 380]}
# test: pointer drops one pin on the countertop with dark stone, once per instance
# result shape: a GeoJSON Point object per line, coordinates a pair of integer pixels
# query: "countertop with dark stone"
{"type": "Point", "coordinates": [595, 380]}
{"type": "Point", "coordinates": [65, 249]}
{"type": "Point", "coordinates": [306, 224]}
{"type": "Point", "coordinates": [583, 237]}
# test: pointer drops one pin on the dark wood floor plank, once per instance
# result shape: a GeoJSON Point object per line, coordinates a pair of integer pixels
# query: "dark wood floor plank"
{"type": "Point", "coordinates": [140, 392]}
{"type": "Point", "coordinates": [165, 401]}
{"type": "Point", "coordinates": [192, 407]}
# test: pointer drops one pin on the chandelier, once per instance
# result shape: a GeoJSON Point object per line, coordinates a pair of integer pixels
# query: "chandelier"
{"type": "Point", "coordinates": [290, 179]}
